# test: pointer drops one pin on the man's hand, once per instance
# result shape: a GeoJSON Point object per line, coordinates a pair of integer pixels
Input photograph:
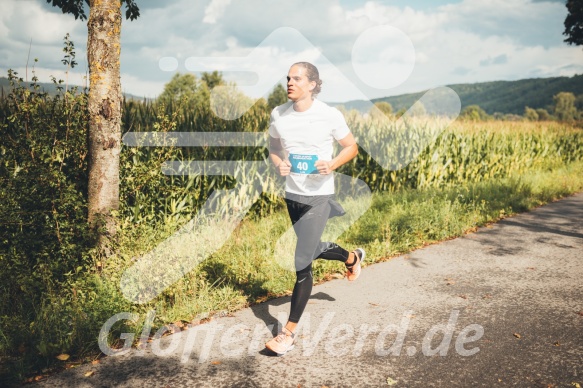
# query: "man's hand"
{"type": "Point", "coordinates": [349, 151]}
{"type": "Point", "coordinates": [284, 168]}
{"type": "Point", "coordinates": [324, 167]}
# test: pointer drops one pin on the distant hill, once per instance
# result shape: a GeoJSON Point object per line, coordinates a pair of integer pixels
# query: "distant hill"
{"type": "Point", "coordinates": [496, 96]}
{"type": "Point", "coordinates": [51, 89]}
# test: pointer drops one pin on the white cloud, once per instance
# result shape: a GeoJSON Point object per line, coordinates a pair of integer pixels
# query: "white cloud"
{"type": "Point", "coordinates": [452, 40]}
{"type": "Point", "coordinates": [383, 56]}
{"type": "Point", "coordinates": [26, 20]}
{"type": "Point", "coordinates": [524, 21]}
{"type": "Point", "coordinates": [140, 87]}
{"type": "Point", "coordinates": [467, 41]}
{"type": "Point", "coordinates": [26, 26]}
{"type": "Point", "coordinates": [215, 10]}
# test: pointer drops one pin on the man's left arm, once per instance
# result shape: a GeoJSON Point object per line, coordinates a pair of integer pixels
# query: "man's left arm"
{"type": "Point", "coordinates": [349, 151]}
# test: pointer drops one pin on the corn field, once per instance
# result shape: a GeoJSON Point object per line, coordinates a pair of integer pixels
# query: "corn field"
{"type": "Point", "coordinates": [423, 154]}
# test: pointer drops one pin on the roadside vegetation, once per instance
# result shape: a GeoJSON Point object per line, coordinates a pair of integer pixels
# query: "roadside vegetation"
{"type": "Point", "coordinates": [56, 293]}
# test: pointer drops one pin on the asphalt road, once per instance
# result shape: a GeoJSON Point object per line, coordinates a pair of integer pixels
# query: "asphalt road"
{"type": "Point", "coordinates": [499, 307]}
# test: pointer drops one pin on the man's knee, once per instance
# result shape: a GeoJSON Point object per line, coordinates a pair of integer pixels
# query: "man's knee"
{"type": "Point", "coordinates": [302, 272]}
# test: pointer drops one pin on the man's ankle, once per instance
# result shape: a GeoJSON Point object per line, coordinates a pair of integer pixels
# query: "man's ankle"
{"type": "Point", "coordinates": [349, 261]}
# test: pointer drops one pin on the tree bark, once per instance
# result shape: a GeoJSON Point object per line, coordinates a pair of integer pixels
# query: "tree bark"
{"type": "Point", "coordinates": [104, 139]}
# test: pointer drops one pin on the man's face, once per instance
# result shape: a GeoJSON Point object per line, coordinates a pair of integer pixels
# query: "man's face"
{"type": "Point", "coordinates": [299, 87]}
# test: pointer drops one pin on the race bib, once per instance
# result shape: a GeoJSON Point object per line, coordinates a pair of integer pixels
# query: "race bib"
{"type": "Point", "coordinates": [303, 164]}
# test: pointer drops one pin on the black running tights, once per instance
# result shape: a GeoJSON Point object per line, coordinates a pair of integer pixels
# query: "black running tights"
{"type": "Point", "coordinates": [309, 215]}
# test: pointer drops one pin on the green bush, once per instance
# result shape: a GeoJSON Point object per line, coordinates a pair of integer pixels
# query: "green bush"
{"type": "Point", "coordinates": [43, 189]}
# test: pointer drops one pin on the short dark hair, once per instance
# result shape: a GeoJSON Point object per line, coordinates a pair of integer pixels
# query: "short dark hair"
{"type": "Point", "coordinates": [312, 74]}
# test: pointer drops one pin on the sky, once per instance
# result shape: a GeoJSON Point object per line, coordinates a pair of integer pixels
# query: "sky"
{"type": "Point", "coordinates": [363, 49]}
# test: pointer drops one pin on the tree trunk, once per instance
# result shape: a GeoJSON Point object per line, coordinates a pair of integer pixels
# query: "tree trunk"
{"type": "Point", "coordinates": [103, 53]}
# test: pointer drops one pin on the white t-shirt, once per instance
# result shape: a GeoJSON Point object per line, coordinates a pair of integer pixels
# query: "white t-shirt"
{"type": "Point", "coordinates": [309, 135]}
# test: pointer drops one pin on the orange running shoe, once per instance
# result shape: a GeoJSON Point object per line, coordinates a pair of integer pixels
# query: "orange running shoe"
{"type": "Point", "coordinates": [353, 270]}
{"type": "Point", "coordinates": [281, 343]}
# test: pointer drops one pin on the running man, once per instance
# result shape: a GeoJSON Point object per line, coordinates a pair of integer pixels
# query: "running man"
{"type": "Point", "coordinates": [301, 138]}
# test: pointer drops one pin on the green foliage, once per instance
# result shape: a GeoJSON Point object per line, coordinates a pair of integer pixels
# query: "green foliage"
{"type": "Point", "coordinates": [565, 107]}
{"type": "Point", "coordinates": [183, 87]}
{"type": "Point", "coordinates": [396, 223]}
{"type": "Point", "coordinates": [574, 22]}
{"type": "Point", "coordinates": [277, 97]}
{"type": "Point", "coordinates": [417, 109]}
{"type": "Point", "coordinates": [44, 245]}
{"type": "Point", "coordinates": [495, 96]}
{"type": "Point", "coordinates": [69, 50]}
{"type": "Point", "coordinates": [149, 196]}
{"type": "Point", "coordinates": [579, 102]}
{"type": "Point", "coordinates": [543, 115]}
{"type": "Point", "coordinates": [76, 8]}
{"type": "Point", "coordinates": [384, 107]}
{"type": "Point", "coordinates": [407, 219]}
{"type": "Point", "coordinates": [212, 79]}
{"type": "Point", "coordinates": [473, 113]}
{"type": "Point", "coordinates": [512, 117]}
{"type": "Point", "coordinates": [456, 157]}
{"type": "Point", "coordinates": [380, 109]}
{"type": "Point", "coordinates": [468, 152]}
{"type": "Point", "coordinates": [186, 92]}
{"type": "Point", "coordinates": [530, 114]}
{"type": "Point", "coordinates": [400, 112]}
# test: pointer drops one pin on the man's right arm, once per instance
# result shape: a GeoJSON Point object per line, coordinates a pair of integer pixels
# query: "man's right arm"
{"type": "Point", "coordinates": [276, 153]}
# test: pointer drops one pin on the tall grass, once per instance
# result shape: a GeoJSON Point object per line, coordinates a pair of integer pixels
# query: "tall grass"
{"type": "Point", "coordinates": [246, 269]}
{"type": "Point", "coordinates": [472, 173]}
